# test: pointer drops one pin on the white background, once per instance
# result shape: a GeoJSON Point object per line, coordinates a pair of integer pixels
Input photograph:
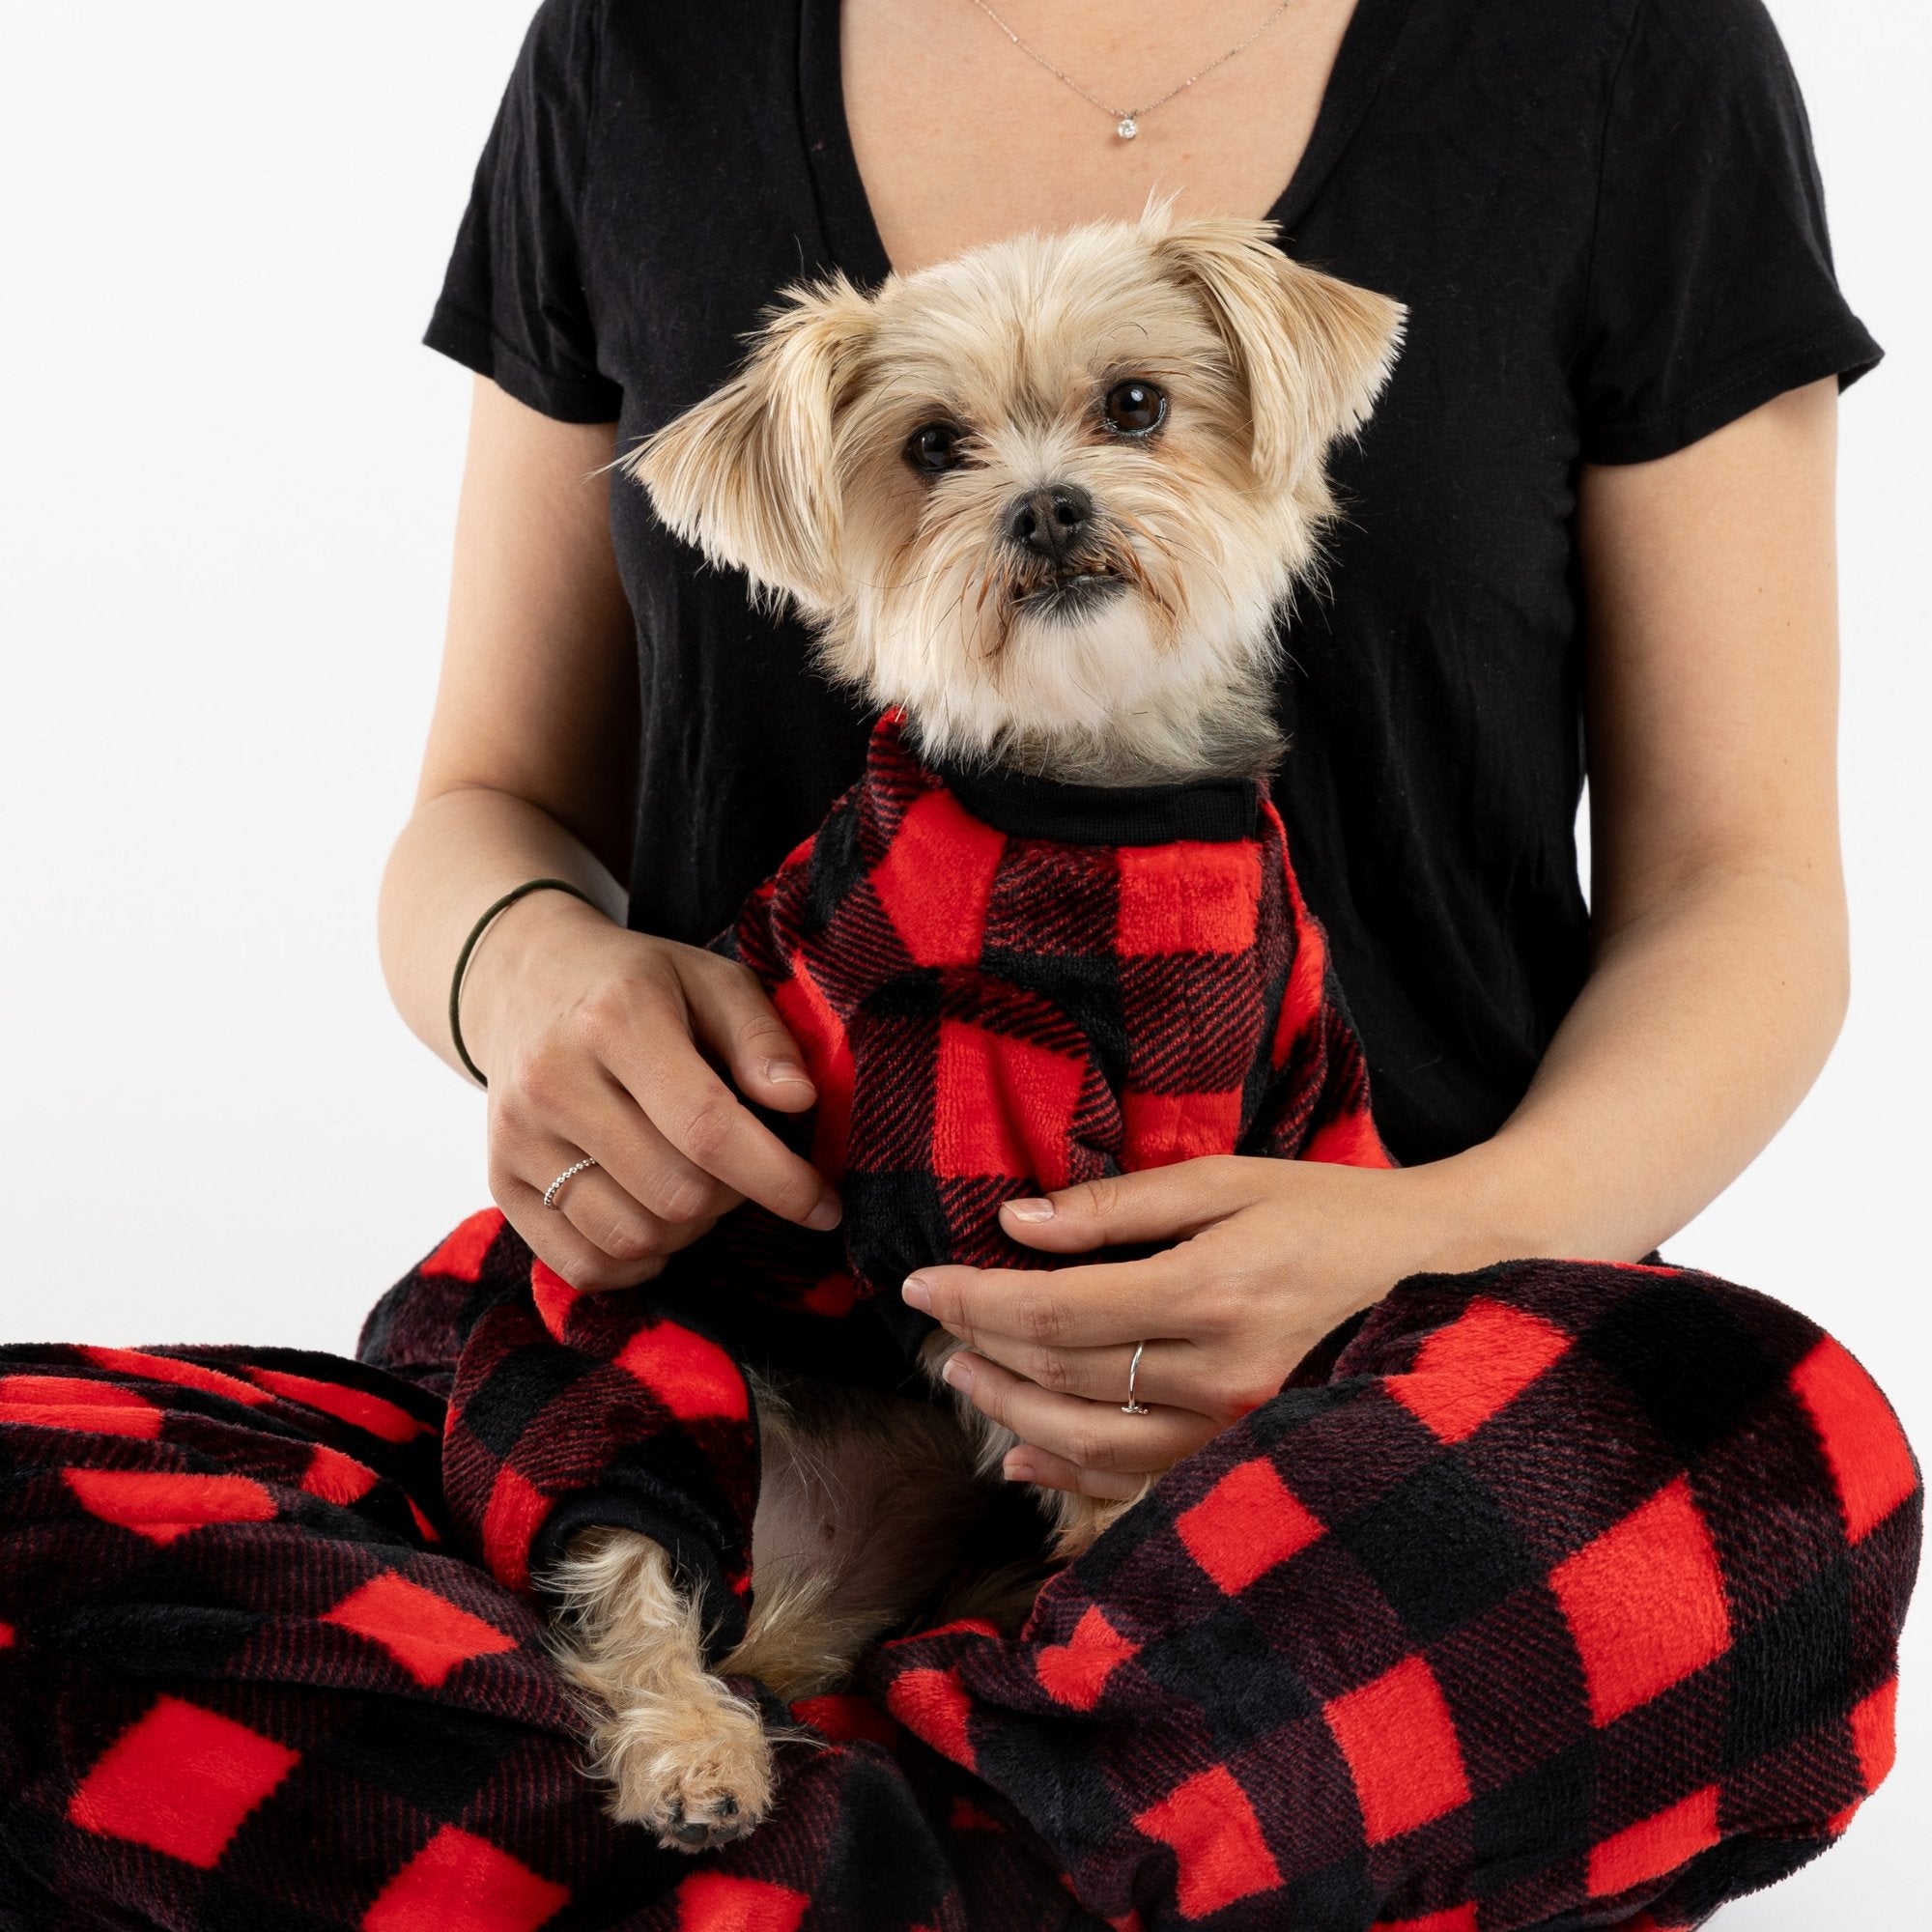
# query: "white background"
{"type": "Point", "coordinates": [227, 483]}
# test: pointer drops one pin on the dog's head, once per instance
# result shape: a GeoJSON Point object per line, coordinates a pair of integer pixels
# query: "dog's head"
{"type": "Point", "coordinates": [1048, 494]}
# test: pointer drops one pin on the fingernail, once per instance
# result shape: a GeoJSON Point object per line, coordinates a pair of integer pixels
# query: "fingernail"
{"type": "Point", "coordinates": [825, 1215]}
{"type": "Point", "coordinates": [786, 1073]}
{"type": "Point", "coordinates": [957, 1374]}
{"type": "Point", "coordinates": [1017, 1469]}
{"type": "Point", "coordinates": [917, 1294]}
{"type": "Point", "coordinates": [1030, 1211]}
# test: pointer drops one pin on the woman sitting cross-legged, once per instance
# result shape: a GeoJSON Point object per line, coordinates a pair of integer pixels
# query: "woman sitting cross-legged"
{"type": "Point", "coordinates": [1490, 1573]}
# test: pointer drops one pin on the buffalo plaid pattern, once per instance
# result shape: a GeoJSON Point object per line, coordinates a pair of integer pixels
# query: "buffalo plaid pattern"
{"type": "Point", "coordinates": [1560, 1595]}
{"type": "Point", "coordinates": [1553, 1596]}
{"type": "Point", "coordinates": [1030, 986]}
{"type": "Point", "coordinates": [1049, 987]}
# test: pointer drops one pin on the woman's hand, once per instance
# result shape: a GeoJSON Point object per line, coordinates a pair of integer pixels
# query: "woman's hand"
{"type": "Point", "coordinates": [1269, 1256]}
{"type": "Point", "coordinates": [601, 1042]}
{"type": "Point", "coordinates": [595, 1040]}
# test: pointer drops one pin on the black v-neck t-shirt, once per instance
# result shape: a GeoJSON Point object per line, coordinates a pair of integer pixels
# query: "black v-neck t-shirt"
{"type": "Point", "coordinates": [1605, 220]}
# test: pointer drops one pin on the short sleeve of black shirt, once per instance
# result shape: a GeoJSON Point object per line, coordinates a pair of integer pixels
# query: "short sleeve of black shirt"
{"type": "Point", "coordinates": [1711, 284]}
{"type": "Point", "coordinates": [513, 305]}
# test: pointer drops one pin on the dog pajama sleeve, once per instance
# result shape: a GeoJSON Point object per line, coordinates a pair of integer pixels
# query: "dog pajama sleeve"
{"type": "Point", "coordinates": [569, 1411]}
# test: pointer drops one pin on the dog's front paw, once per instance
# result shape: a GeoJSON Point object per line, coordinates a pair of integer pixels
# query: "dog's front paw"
{"type": "Point", "coordinates": [694, 1768]}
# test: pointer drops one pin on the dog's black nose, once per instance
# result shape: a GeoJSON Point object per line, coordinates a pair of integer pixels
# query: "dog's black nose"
{"type": "Point", "coordinates": [1050, 521]}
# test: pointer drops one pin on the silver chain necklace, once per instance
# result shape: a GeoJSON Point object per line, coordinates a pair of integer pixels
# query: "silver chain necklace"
{"type": "Point", "coordinates": [1129, 120]}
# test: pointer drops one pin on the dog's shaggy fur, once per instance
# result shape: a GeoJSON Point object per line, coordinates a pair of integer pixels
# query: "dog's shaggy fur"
{"type": "Point", "coordinates": [795, 472]}
{"type": "Point", "coordinates": [1136, 646]}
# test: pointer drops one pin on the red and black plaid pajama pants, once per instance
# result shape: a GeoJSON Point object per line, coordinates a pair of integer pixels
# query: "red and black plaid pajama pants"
{"type": "Point", "coordinates": [1558, 1595]}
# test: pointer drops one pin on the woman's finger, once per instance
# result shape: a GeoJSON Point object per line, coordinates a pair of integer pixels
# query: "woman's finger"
{"type": "Point", "coordinates": [707, 1122]}
{"type": "Point", "coordinates": [732, 1013]}
{"type": "Point", "coordinates": [1154, 1203]}
{"type": "Point", "coordinates": [563, 1247]}
{"type": "Point", "coordinates": [1030, 1463]}
{"type": "Point", "coordinates": [643, 1164]}
{"type": "Point", "coordinates": [1094, 1306]}
{"type": "Point", "coordinates": [1167, 1371]}
{"type": "Point", "coordinates": [609, 1218]}
{"type": "Point", "coordinates": [622, 1243]}
{"type": "Point", "coordinates": [1088, 1435]}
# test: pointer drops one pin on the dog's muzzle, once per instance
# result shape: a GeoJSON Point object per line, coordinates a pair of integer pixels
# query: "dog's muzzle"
{"type": "Point", "coordinates": [1064, 572]}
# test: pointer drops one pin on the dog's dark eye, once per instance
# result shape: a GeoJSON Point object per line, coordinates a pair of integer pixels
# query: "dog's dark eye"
{"type": "Point", "coordinates": [1135, 407]}
{"type": "Point", "coordinates": [933, 447]}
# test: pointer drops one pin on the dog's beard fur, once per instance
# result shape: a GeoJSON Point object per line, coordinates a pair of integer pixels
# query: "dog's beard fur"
{"type": "Point", "coordinates": [795, 472]}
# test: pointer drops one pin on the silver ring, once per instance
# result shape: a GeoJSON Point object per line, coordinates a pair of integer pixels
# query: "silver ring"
{"type": "Point", "coordinates": [570, 1173]}
{"type": "Point", "coordinates": [1130, 1407]}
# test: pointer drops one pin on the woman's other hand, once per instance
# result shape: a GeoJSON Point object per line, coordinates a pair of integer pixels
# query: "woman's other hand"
{"type": "Point", "coordinates": [1267, 1255]}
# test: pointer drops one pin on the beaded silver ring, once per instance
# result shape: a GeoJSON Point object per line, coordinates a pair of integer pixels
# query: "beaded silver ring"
{"type": "Point", "coordinates": [570, 1173]}
{"type": "Point", "coordinates": [1130, 1407]}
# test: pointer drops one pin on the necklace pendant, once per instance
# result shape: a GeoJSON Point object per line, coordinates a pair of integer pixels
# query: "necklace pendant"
{"type": "Point", "coordinates": [1128, 127]}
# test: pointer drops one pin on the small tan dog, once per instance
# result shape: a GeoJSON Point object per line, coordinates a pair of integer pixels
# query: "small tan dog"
{"type": "Point", "coordinates": [1048, 499]}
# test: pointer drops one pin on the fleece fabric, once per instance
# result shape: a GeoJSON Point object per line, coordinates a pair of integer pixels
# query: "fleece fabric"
{"type": "Point", "coordinates": [999, 985]}
{"type": "Point", "coordinates": [1557, 1596]}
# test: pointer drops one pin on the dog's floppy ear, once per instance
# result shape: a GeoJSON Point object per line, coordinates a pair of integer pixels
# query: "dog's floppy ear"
{"type": "Point", "coordinates": [1313, 352]}
{"type": "Point", "coordinates": [749, 474]}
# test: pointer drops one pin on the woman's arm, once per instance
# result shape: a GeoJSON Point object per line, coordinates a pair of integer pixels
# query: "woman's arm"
{"type": "Point", "coordinates": [531, 746]}
{"type": "Point", "coordinates": [1720, 965]}
{"type": "Point", "coordinates": [1718, 986]}
{"type": "Point", "coordinates": [589, 1034]}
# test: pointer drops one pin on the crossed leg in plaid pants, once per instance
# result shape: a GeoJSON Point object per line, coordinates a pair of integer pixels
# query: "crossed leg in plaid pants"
{"type": "Point", "coordinates": [1556, 1595]}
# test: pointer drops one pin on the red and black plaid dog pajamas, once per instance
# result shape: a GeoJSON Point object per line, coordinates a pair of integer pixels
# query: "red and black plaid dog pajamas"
{"type": "Point", "coordinates": [1558, 1595]}
{"type": "Point", "coordinates": [1051, 987]}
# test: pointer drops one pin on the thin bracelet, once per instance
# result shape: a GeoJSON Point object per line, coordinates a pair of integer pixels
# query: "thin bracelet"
{"type": "Point", "coordinates": [476, 932]}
